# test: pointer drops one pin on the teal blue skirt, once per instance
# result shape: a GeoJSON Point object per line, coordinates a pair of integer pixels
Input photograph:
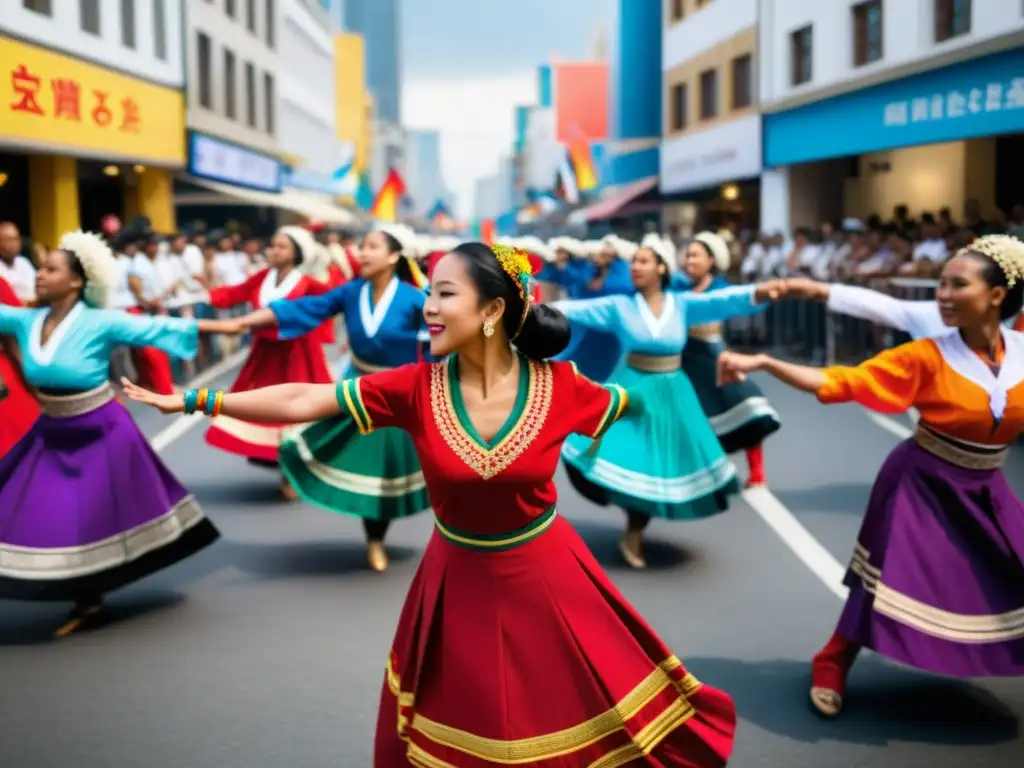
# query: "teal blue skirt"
{"type": "Point", "coordinates": [667, 462]}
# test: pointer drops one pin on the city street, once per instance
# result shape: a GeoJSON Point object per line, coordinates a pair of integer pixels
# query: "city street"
{"type": "Point", "coordinates": [267, 650]}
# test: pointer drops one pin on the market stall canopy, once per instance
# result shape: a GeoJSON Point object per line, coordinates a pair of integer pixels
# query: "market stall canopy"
{"type": "Point", "coordinates": [614, 203]}
{"type": "Point", "coordinates": [303, 203]}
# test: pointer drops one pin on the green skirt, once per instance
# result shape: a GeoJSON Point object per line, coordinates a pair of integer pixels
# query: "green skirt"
{"type": "Point", "coordinates": [375, 477]}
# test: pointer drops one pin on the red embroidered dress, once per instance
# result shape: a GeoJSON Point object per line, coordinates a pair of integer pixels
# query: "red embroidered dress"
{"type": "Point", "coordinates": [18, 409]}
{"type": "Point", "coordinates": [513, 646]}
{"type": "Point", "coordinates": [270, 361]}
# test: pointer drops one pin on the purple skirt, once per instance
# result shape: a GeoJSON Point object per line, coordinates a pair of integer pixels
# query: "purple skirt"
{"type": "Point", "coordinates": [86, 506]}
{"type": "Point", "coordinates": [936, 580]}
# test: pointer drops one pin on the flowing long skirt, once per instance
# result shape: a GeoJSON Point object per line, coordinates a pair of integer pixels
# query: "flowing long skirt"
{"type": "Point", "coordinates": [18, 409]}
{"type": "Point", "coordinates": [86, 507]}
{"type": "Point", "coordinates": [530, 656]}
{"type": "Point", "coordinates": [937, 576]}
{"type": "Point", "coordinates": [667, 463]}
{"type": "Point", "coordinates": [270, 362]}
{"type": "Point", "coordinates": [739, 413]}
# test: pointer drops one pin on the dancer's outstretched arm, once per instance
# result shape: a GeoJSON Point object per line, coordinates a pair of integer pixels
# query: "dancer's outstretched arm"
{"type": "Point", "coordinates": [733, 366]}
{"type": "Point", "coordinates": [281, 404]}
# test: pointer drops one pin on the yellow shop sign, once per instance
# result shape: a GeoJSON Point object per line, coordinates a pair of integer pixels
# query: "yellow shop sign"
{"type": "Point", "coordinates": [58, 102]}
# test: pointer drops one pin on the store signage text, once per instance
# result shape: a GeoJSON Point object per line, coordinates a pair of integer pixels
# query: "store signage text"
{"type": "Point", "coordinates": [218, 160]}
{"type": "Point", "coordinates": [992, 97]}
{"type": "Point", "coordinates": [59, 101]}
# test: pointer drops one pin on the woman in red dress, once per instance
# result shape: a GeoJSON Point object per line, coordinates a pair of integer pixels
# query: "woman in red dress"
{"type": "Point", "coordinates": [513, 646]}
{"type": "Point", "coordinates": [271, 361]}
{"type": "Point", "coordinates": [18, 409]}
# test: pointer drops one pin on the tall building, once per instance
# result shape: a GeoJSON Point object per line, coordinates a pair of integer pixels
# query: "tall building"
{"type": "Point", "coordinates": [492, 195]}
{"type": "Point", "coordinates": [423, 176]}
{"type": "Point", "coordinates": [378, 23]}
{"type": "Point", "coordinates": [92, 116]}
{"type": "Point", "coordinates": [873, 105]}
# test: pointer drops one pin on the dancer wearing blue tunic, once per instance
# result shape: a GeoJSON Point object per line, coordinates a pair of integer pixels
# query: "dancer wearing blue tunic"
{"type": "Point", "coordinates": [376, 477]}
{"type": "Point", "coordinates": [595, 351]}
{"type": "Point", "coordinates": [668, 463]}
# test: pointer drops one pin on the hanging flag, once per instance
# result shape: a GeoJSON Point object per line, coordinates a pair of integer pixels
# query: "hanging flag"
{"type": "Point", "coordinates": [389, 196]}
{"type": "Point", "coordinates": [567, 188]}
{"type": "Point", "coordinates": [364, 192]}
{"type": "Point", "coordinates": [583, 163]}
{"type": "Point", "coordinates": [343, 171]}
{"type": "Point", "coordinates": [439, 212]}
{"type": "Point", "coordinates": [487, 231]}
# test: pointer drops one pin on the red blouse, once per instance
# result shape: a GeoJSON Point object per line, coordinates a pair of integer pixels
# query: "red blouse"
{"type": "Point", "coordinates": [485, 487]}
{"type": "Point", "coordinates": [261, 289]}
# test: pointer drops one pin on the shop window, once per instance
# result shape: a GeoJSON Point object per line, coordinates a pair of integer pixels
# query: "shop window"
{"type": "Point", "coordinates": [39, 6]}
{"type": "Point", "coordinates": [742, 82]}
{"type": "Point", "coordinates": [128, 23]}
{"type": "Point", "coordinates": [160, 30]}
{"type": "Point", "coordinates": [678, 10]}
{"type": "Point", "coordinates": [89, 16]}
{"type": "Point", "coordinates": [250, 94]}
{"type": "Point", "coordinates": [679, 107]}
{"type": "Point", "coordinates": [203, 64]}
{"type": "Point", "coordinates": [269, 21]}
{"type": "Point", "coordinates": [230, 79]}
{"type": "Point", "coordinates": [230, 9]}
{"type": "Point", "coordinates": [802, 42]}
{"type": "Point", "coordinates": [268, 101]}
{"type": "Point", "coordinates": [250, 15]}
{"type": "Point", "coordinates": [867, 32]}
{"type": "Point", "coordinates": [708, 94]}
{"type": "Point", "coordinates": [952, 19]}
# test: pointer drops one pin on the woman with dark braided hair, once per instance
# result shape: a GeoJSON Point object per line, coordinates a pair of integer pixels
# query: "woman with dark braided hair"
{"type": "Point", "coordinates": [272, 359]}
{"type": "Point", "coordinates": [513, 646]}
{"type": "Point", "coordinates": [86, 506]}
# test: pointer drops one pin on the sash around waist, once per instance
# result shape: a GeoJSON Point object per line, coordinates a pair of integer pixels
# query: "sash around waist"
{"type": "Point", "coordinates": [497, 542]}
{"type": "Point", "coordinates": [958, 452]}
{"type": "Point", "coordinates": [71, 405]}
{"type": "Point", "coordinates": [654, 363]}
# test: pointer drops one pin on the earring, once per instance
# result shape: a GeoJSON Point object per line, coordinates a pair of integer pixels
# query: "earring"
{"type": "Point", "coordinates": [488, 328]}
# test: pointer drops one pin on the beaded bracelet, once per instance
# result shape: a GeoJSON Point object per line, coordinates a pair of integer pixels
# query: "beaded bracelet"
{"type": "Point", "coordinates": [218, 401]}
{"type": "Point", "coordinates": [210, 403]}
{"type": "Point", "coordinates": [201, 401]}
{"type": "Point", "coordinates": [191, 399]}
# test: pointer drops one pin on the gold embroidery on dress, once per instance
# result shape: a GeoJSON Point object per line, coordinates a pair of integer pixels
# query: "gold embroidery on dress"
{"type": "Point", "coordinates": [488, 462]}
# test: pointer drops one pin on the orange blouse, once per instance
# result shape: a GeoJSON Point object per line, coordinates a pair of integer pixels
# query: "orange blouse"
{"type": "Point", "coordinates": [918, 375]}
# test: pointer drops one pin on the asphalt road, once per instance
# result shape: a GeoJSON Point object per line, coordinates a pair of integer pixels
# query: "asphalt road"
{"type": "Point", "coordinates": [267, 650]}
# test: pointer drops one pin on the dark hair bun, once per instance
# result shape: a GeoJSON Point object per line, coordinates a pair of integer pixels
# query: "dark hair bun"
{"type": "Point", "coordinates": [544, 334]}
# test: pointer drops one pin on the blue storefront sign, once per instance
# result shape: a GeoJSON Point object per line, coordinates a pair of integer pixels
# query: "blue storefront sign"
{"type": "Point", "coordinates": [313, 182]}
{"type": "Point", "coordinates": [981, 97]}
{"type": "Point", "coordinates": [219, 160]}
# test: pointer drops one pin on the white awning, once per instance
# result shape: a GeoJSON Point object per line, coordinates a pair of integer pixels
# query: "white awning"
{"type": "Point", "coordinates": [303, 203]}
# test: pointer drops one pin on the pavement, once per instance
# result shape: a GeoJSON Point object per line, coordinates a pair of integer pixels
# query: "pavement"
{"type": "Point", "coordinates": [267, 650]}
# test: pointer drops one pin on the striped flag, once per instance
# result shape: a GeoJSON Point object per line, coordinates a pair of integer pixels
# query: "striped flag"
{"type": "Point", "coordinates": [389, 196]}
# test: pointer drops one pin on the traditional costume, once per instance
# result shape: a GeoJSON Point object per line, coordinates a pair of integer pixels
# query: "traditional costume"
{"type": "Point", "coordinates": [740, 414]}
{"type": "Point", "coordinates": [86, 506]}
{"type": "Point", "coordinates": [669, 463]}
{"type": "Point", "coordinates": [377, 479]}
{"type": "Point", "coordinates": [18, 409]}
{"type": "Point", "coordinates": [272, 359]}
{"type": "Point", "coordinates": [503, 576]}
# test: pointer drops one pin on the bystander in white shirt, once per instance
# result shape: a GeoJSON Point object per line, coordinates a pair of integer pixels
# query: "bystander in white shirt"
{"type": "Point", "coordinates": [933, 250]}
{"type": "Point", "coordinates": [21, 276]}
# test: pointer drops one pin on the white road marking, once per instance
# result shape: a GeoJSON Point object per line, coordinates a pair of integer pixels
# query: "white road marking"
{"type": "Point", "coordinates": [807, 548]}
{"type": "Point", "coordinates": [890, 425]}
{"type": "Point", "coordinates": [183, 424]}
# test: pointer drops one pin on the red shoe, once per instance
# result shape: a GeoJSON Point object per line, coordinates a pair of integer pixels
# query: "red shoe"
{"type": "Point", "coordinates": [829, 670]}
{"type": "Point", "coordinates": [755, 460]}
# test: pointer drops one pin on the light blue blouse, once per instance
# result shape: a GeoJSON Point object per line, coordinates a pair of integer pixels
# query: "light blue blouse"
{"type": "Point", "coordinates": [76, 357]}
{"type": "Point", "coordinates": [638, 330]}
{"type": "Point", "coordinates": [387, 334]}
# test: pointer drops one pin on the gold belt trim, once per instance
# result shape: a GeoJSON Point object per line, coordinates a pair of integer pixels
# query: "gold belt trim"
{"type": "Point", "coordinates": [957, 453]}
{"type": "Point", "coordinates": [364, 367]}
{"type": "Point", "coordinates": [654, 363]}
{"type": "Point", "coordinates": [68, 406]}
{"type": "Point", "coordinates": [706, 332]}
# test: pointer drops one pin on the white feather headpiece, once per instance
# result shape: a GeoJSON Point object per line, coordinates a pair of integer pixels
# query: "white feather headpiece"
{"type": "Point", "coordinates": [718, 248]}
{"type": "Point", "coordinates": [446, 243]}
{"type": "Point", "coordinates": [570, 245]}
{"type": "Point", "coordinates": [662, 247]}
{"type": "Point", "coordinates": [624, 249]}
{"type": "Point", "coordinates": [405, 236]}
{"type": "Point", "coordinates": [537, 247]}
{"type": "Point", "coordinates": [592, 247]}
{"type": "Point", "coordinates": [313, 261]}
{"type": "Point", "coordinates": [98, 263]}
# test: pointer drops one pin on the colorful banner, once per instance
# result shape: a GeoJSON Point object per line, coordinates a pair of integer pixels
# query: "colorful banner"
{"type": "Point", "coordinates": [389, 198]}
{"type": "Point", "coordinates": [581, 101]}
{"type": "Point", "coordinates": [354, 107]}
{"type": "Point", "coordinates": [59, 102]}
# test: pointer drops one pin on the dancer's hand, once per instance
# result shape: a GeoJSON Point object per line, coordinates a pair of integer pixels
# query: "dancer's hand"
{"type": "Point", "coordinates": [805, 288]}
{"type": "Point", "coordinates": [734, 366]}
{"type": "Point", "coordinates": [770, 290]}
{"type": "Point", "coordinates": [163, 403]}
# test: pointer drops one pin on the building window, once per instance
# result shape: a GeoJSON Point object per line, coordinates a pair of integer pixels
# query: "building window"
{"type": "Point", "coordinates": [230, 77]}
{"type": "Point", "coordinates": [269, 21]}
{"type": "Point", "coordinates": [867, 32]}
{"type": "Point", "coordinates": [203, 62]}
{"type": "Point", "coordinates": [39, 6]}
{"type": "Point", "coordinates": [803, 55]}
{"type": "Point", "coordinates": [678, 10]}
{"type": "Point", "coordinates": [268, 101]}
{"type": "Point", "coordinates": [952, 19]}
{"type": "Point", "coordinates": [250, 94]}
{"type": "Point", "coordinates": [679, 107]}
{"type": "Point", "coordinates": [90, 13]}
{"type": "Point", "coordinates": [128, 23]}
{"type": "Point", "coordinates": [229, 8]}
{"type": "Point", "coordinates": [159, 30]}
{"type": "Point", "coordinates": [742, 82]}
{"type": "Point", "coordinates": [250, 15]}
{"type": "Point", "coordinates": [708, 94]}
